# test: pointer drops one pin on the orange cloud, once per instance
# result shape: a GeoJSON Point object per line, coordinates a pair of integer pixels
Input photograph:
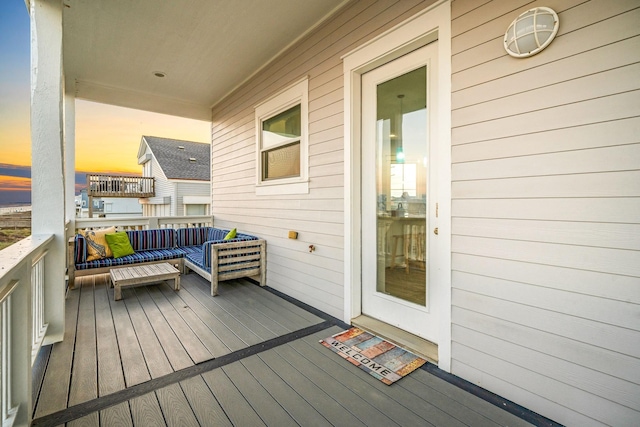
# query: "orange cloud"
{"type": "Point", "coordinates": [14, 183]}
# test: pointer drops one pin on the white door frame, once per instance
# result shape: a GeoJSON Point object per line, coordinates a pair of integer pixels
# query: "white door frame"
{"type": "Point", "coordinates": [430, 24]}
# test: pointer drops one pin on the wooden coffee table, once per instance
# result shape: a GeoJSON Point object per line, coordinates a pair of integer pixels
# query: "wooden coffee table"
{"type": "Point", "coordinates": [143, 274]}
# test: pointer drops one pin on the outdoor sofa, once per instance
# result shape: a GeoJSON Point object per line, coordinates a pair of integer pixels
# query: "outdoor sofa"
{"type": "Point", "coordinates": [200, 249]}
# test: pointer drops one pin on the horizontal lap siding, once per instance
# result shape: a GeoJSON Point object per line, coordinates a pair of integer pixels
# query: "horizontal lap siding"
{"type": "Point", "coordinates": [189, 189]}
{"type": "Point", "coordinates": [315, 278]}
{"type": "Point", "coordinates": [546, 210]}
{"type": "Point", "coordinates": [162, 188]}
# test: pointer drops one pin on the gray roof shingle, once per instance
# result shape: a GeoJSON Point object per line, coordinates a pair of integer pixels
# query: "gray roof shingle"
{"type": "Point", "coordinates": [175, 161]}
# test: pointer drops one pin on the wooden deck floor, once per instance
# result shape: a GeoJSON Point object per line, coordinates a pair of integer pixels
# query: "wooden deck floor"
{"type": "Point", "coordinates": [245, 358]}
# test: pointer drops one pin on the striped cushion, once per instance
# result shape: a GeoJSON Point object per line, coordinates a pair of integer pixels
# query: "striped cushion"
{"type": "Point", "coordinates": [192, 236]}
{"type": "Point", "coordinates": [145, 240]}
{"type": "Point", "coordinates": [217, 234]}
{"type": "Point", "coordinates": [79, 249]}
{"type": "Point", "coordinates": [185, 250]}
{"type": "Point", "coordinates": [138, 257]}
{"type": "Point", "coordinates": [197, 260]}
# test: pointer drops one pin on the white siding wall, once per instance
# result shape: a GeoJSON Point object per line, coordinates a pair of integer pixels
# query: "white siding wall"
{"type": "Point", "coordinates": [546, 210]}
{"type": "Point", "coordinates": [189, 189]}
{"type": "Point", "coordinates": [315, 278]}
{"type": "Point", "coordinates": [163, 188]}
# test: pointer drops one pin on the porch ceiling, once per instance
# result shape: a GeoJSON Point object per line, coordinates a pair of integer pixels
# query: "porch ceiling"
{"type": "Point", "coordinates": [206, 48]}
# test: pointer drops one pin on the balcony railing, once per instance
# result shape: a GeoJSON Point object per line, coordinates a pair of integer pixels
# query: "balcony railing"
{"type": "Point", "coordinates": [22, 322]}
{"type": "Point", "coordinates": [120, 186]}
{"type": "Point", "coordinates": [145, 223]}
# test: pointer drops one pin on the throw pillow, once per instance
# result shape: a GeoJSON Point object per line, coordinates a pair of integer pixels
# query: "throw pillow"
{"type": "Point", "coordinates": [230, 235]}
{"type": "Point", "coordinates": [119, 244]}
{"type": "Point", "coordinates": [97, 247]}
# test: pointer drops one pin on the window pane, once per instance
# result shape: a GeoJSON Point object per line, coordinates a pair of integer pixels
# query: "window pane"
{"type": "Point", "coordinates": [281, 162]}
{"type": "Point", "coordinates": [196, 209]}
{"type": "Point", "coordinates": [281, 128]}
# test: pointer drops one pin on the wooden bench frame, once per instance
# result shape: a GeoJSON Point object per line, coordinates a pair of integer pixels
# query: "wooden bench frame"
{"type": "Point", "coordinates": [252, 254]}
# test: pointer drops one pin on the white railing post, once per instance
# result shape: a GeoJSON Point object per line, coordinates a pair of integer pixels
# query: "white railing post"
{"type": "Point", "coordinates": [5, 345]}
{"type": "Point", "coordinates": [39, 327]}
{"type": "Point", "coordinates": [153, 223]}
{"type": "Point", "coordinates": [22, 323]}
{"type": "Point", "coordinates": [8, 371]}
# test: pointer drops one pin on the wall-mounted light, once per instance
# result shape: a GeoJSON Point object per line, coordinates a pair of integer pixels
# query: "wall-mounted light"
{"type": "Point", "coordinates": [531, 32]}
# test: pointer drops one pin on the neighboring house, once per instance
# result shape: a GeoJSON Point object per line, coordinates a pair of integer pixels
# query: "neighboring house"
{"type": "Point", "coordinates": [82, 204]}
{"type": "Point", "coordinates": [107, 207]}
{"type": "Point", "coordinates": [182, 171]}
{"type": "Point", "coordinates": [119, 207]}
{"type": "Point", "coordinates": [522, 176]}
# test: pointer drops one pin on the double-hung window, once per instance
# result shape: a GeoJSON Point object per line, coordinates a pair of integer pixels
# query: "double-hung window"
{"type": "Point", "coordinates": [282, 142]}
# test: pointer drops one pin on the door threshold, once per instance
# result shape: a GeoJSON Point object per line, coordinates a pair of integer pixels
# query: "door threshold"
{"type": "Point", "coordinates": [402, 338]}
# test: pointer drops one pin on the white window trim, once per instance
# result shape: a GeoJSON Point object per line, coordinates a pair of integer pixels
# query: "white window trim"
{"type": "Point", "coordinates": [298, 93]}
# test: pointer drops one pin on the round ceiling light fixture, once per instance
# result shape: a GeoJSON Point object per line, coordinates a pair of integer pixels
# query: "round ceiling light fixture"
{"type": "Point", "coordinates": [159, 74]}
{"type": "Point", "coordinates": [531, 32]}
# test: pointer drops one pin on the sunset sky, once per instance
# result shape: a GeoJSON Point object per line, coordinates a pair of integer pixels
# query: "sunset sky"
{"type": "Point", "coordinates": [107, 137]}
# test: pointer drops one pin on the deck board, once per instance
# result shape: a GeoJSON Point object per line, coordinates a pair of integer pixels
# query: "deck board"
{"type": "Point", "coordinates": [145, 411]}
{"type": "Point", "coordinates": [84, 378]}
{"type": "Point", "coordinates": [209, 339]}
{"type": "Point", "coordinates": [253, 315]}
{"type": "Point", "coordinates": [352, 402]}
{"type": "Point", "coordinates": [220, 329]}
{"type": "Point", "coordinates": [91, 420]}
{"type": "Point", "coordinates": [110, 374]}
{"type": "Point", "coordinates": [131, 356]}
{"type": "Point", "coordinates": [177, 411]}
{"type": "Point", "coordinates": [117, 415]}
{"type": "Point", "coordinates": [324, 404]}
{"type": "Point", "coordinates": [234, 404]}
{"type": "Point", "coordinates": [223, 312]}
{"type": "Point", "coordinates": [204, 404]}
{"type": "Point", "coordinates": [466, 402]}
{"type": "Point", "coordinates": [299, 409]}
{"type": "Point", "coordinates": [155, 331]}
{"type": "Point", "coordinates": [56, 375]}
{"type": "Point", "coordinates": [270, 411]}
{"type": "Point", "coordinates": [188, 339]}
{"type": "Point", "coordinates": [169, 342]}
{"type": "Point", "coordinates": [156, 361]}
{"type": "Point", "coordinates": [285, 310]}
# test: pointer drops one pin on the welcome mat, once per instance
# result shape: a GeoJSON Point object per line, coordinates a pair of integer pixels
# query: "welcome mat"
{"type": "Point", "coordinates": [380, 358]}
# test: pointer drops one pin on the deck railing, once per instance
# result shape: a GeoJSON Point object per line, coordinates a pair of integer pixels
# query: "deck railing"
{"type": "Point", "coordinates": [145, 223]}
{"type": "Point", "coordinates": [120, 186]}
{"type": "Point", "coordinates": [23, 326]}
{"type": "Point", "coordinates": [22, 322]}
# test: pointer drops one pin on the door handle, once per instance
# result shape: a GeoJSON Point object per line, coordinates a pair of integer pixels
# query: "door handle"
{"type": "Point", "coordinates": [435, 231]}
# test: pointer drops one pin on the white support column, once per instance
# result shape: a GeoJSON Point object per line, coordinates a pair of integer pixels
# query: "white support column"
{"type": "Point", "coordinates": [47, 153]}
{"type": "Point", "coordinates": [70, 154]}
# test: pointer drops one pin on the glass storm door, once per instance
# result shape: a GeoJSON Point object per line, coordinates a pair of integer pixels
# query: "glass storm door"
{"type": "Point", "coordinates": [398, 193]}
